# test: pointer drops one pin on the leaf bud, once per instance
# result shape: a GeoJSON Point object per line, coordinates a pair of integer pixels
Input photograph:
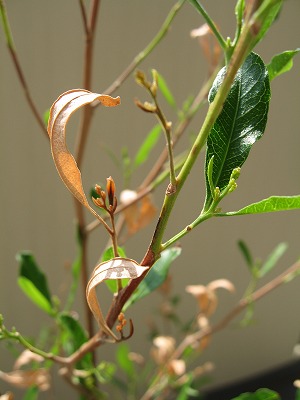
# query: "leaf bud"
{"type": "Point", "coordinates": [110, 189]}
{"type": "Point", "coordinates": [154, 84]}
{"type": "Point", "coordinates": [141, 79]}
{"type": "Point", "coordinates": [235, 174]}
{"type": "Point", "coordinates": [146, 106]}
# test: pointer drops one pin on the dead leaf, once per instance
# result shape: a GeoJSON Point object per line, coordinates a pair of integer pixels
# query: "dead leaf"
{"type": "Point", "coordinates": [117, 268]}
{"type": "Point", "coordinates": [7, 396]}
{"type": "Point", "coordinates": [139, 214]}
{"type": "Point", "coordinates": [60, 112]}
{"type": "Point", "coordinates": [27, 357]}
{"type": "Point", "coordinates": [163, 347]}
{"type": "Point", "coordinates": [26, 378]}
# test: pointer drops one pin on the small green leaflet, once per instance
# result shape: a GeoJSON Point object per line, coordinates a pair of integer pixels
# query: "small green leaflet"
{"type": "Point", "coordinates": [33, 282]}
{"type": "Point", "coordinates": [260, 394]}
{"type": "Point", "coordinates": [240, 124]}
{"type": "Point", "coordinates": [281, 63]}
{"type": "Point", "coordinates": [166, 92]}
{"type": "Point", "coordinates": [147, 145]}
{"type": "Point", "coordinates": [156, 276]}
{"type": "Point", "coordinates": [271, 204]}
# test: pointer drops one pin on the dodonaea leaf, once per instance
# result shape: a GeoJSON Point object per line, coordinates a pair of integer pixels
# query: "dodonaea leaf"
{"type": "Point", "coordinates": [117, 268]}
{"type": "Point", "coordinates": [60, 112]}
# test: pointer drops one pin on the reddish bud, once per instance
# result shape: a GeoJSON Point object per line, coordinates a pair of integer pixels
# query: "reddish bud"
{"type": "Point", "coordinates": [110, 189]}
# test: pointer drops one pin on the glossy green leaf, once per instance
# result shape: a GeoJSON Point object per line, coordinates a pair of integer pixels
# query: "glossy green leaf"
{"type": "Point", "coordinates": [166, 92]}
{"type": "Point", "coordinates": [271, 204]}
{"type": "Point", "coordinates": [241, 122]}
{"type": "Point", "coordinates": [108, 254]}
{"type": "Point", "coordinates": [33, 282]}
{"type": "Point", "coordinates": [156, 276]}
{"type": "Point", "coordinates": [260, 394]}
{"type": "Point", "coordinates": [273, 258]}
{"type": "Point", "coordinates": [281, 63]}
{"type": "Point", "coordinates": [124, 362]}
{"type": "Point", "coordinates": [147, 145]}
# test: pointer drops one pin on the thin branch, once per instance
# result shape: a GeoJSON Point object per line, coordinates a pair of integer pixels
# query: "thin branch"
{"type": "Point", "coordinates": [147, 50]}
{"type": "Point", "coordinates": [17, 65]}
{"type": "Point", "coordinates": [84, 16]}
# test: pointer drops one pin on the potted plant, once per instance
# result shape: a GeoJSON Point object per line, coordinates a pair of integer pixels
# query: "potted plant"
{"type": "Point", "coordinates": [222, 119]}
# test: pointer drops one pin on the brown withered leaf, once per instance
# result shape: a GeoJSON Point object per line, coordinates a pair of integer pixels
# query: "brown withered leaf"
{"type": "Point", "coordinates": [26, 378]}
{"type": "Point", "coordinates": [139, 214]}
{"type": "Point", "coordinates": [7, 396]}
{"type": "Point", "coordinates": [60, 112]}
{"type": "Point", "coordinates": [117, 268]}
{"type": "Point", "coordinates": [27, 357]}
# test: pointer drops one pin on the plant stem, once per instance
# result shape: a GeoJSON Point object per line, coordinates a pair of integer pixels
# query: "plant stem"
{"type": "Point", "coordinates": [17, 64]}
{"type": "Point", "coordinates": [210, 23]}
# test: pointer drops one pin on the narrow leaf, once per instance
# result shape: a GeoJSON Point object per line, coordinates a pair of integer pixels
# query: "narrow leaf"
{"type": "Point", "coordinates": [117, 268]}
{"type": "Point", "coordinates": [148, 144]}
{"type": "Point", "coordinates": [281, 63]}
{"type": "Point", "coordinates": [33, 282]}
{"type": "Point", "coordinates": [271, 204]}
{"type": "Point", "coordinates": [260, 394]}
{"type": "Point", "coordinates": [246, 253]}
{"type": "Point", "coordinates": [156, 276]}
{"type": "Point", "coordinates": [166, 92]}
{"type": "Point", "coordinates": [273, 258]}
{"type": "Point", "coordinates": [240, 124]}
{"type": "Point", "coordinates": [268, 12]}
{"type": "Point", "coordinates": [60, 112]}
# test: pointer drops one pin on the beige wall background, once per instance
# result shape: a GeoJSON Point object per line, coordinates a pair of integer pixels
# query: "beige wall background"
{"type": "Point", "coordinates": [37, 211]}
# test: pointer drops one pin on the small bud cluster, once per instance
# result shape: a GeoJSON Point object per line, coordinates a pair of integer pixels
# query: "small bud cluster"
{"type": "Point", "coordinates": [106, 200]}
{"type": "Point", "coordinates": [122, 322]}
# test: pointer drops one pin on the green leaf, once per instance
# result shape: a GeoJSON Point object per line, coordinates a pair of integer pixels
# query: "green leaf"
{"type": "Point", "coordinates": [156, 276]}
{"type": "Point", "coordinates": [273, 258]}
{"type": "Point", "coordinates": [46, 116]}
{"type": "Point", "coordinates": [166, 92]}
{"type": "Point", "coordinates": [31, 393]}
{"type": "Point", "coordinates": [75, 336]}
{"type": "Point", "coordinates": [281, 63]}
{"type": "Point", "coordinates": [148, 144]}
{"type": "Point", "coordinates": [108, 254]}
{"type": "Point", "coordinates": [241, 122]}
{"type": "Point", "coordinates": [271, 204]}
{"type": "Point", "coordinates": [260, 394]}
{"type": "Point", "coordinates": [268, 13]}
{"type": "Point", "coordinates": [33, 282]}
{"type": "Point", "coordinates": [246, 253]}
{"type": "Point", "coordinates": [124, 361]}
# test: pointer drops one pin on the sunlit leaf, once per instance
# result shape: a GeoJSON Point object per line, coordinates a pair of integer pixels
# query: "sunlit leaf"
{"type": "Point", "coordinates": [33, 282]}
{"type": "Point", "coordinates": [60, 112]}
{"type": "Point", "coordinates": [271, 204]}
{"type": "Point", "coordinates": [241, 122]}
{"type": "Point", "coordinates": [145, 149]}
{"type": "Point", "coordinates": [156, 276]}
{"type": "Point", "coordinates": [281, 63]}
{"type": "Point", "coordinates": [117, 268]}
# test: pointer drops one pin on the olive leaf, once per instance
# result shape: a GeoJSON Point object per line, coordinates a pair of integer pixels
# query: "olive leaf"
{"type": "Point", "coordinates": [116, 268]}
{"type": "Point", "coordinates": [60, 112]}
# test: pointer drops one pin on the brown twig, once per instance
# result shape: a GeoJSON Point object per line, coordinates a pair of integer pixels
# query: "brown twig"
{"type": "Point", "coordinates": [19, 70]}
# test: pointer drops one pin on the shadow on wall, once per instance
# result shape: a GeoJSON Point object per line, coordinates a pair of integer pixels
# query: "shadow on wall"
{"type": "Point", "coordinates": [279, 379]}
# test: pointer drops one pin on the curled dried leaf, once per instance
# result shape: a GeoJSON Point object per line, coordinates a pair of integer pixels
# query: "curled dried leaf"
{"type": "Point", "coordinates": [139, 214]}
{"type": "Point", "coordinates": [60, 112]}
{"type": "Point", "coordinates": [163, 347]}
{"type": "Point", "coordinates": [26, 378]}
{"type": "Point", "coordinates": [7, 396]}
{"type": "Point", "coordinates": [27, 357]}
{"type": "Point", "coordinates": [117, 268]}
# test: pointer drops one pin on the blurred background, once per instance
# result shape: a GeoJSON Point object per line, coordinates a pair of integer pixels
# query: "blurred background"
{"type": "Point", "coordinates": [37, 211]}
